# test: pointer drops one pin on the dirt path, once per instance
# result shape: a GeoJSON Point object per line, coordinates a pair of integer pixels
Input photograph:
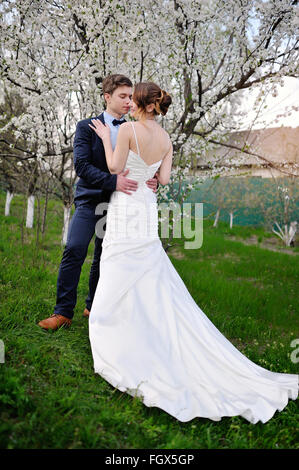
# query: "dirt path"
{"type": "Point", "coordinates": [271, 244]}
{"type": "Point", "coordinates": [267, 243]}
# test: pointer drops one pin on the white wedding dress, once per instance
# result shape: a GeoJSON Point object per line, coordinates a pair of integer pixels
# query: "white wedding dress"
{"type": "Point", "coordinates": [148, 336]}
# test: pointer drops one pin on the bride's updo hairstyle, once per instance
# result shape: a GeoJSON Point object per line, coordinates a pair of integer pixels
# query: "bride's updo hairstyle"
{"type": "Point", "coordinates": [146, 93]}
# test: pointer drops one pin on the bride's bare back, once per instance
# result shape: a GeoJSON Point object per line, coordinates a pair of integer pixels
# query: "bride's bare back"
{"type": "Point", "coordinates": [154, 145]}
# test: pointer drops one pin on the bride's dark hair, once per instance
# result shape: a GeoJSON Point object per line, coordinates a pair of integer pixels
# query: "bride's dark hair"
{"type": "Point", "coordinates": [146, 93]}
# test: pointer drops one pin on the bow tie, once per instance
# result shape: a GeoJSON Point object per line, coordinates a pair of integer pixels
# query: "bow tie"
{"type": "Point", "coordinates": [115, 122]}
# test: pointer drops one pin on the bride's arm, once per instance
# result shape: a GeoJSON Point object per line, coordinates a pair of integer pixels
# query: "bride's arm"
{"type": "Point", "coordinates": [164, 173]}
{"type": "Point", "coordinates": [116, 160]}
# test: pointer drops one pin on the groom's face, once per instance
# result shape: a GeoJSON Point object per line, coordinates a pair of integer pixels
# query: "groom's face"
{"type": "Point", "coordinates": [119, 101]}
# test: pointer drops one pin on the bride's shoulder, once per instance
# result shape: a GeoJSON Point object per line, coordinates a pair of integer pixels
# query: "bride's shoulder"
{"type": "Point", "coordinates": [165, 134]}
{"type": "Point", "coordinates": [126, 125]}
{"type": "Point", "coordinates": [125, 128]}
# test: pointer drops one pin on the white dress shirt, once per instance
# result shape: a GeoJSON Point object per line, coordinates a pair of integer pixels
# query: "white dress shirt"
{"type": "Point", "coordinates": [114, 129]}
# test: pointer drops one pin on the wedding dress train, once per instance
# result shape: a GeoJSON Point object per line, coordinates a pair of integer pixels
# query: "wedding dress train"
{"type": "Point", "coordinates": [148, 336]}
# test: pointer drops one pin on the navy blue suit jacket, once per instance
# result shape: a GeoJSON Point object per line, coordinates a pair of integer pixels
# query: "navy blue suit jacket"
{"type": "Point", "coordinates": [96, 183]}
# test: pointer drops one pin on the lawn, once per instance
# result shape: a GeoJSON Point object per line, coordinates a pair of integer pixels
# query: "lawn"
{"type": "Point", "coordinates": [49, 394]}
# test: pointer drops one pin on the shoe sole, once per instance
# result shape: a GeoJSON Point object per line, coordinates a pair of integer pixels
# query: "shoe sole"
{"type": "Point", "coordinates": [54, 329]}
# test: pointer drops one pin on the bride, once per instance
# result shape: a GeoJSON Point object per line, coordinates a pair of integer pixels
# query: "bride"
{"type": "Point", "coordinates": [148, 336]}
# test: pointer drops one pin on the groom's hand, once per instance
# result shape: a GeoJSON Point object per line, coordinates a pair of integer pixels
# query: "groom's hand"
{"type": "Point", "coordinates": [125, 184]}
{"type": "Point", "coordinates": [153, 184]}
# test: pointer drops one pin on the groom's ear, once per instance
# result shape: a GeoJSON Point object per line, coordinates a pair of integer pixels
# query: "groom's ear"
{"type": "Point", "coordinates": [107, 96]}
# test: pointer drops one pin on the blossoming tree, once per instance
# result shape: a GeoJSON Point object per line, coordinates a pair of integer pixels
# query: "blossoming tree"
{"type": "Point", "coordinates": [203, 52]}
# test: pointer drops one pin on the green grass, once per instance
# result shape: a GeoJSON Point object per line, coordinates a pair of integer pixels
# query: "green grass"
{"type": "Point", "coordinates": [49, 394]}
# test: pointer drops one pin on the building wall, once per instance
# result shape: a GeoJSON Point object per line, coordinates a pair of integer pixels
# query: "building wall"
{"type": "Point", "coordinates": [277, 145]}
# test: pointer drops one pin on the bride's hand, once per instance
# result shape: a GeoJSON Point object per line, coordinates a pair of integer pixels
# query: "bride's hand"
{"type": "Point", "coordinates": [156, 176]}
{"type": "Point", "coordinates": [152, 184]}
{"type": "Point", "coordinates": [102, 130]}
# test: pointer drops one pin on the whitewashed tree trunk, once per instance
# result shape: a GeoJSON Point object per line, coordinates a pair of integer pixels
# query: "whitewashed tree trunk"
{"type": "Point", "coordinates": [66, 224]}
{"type": "Point", "coordinates": [292, 232]}
{"type": "Point", "coordinates": [231, 218]}
{"type": "Point", "coordinates": [289, 233]}
{"type": "Point", "coordinates": [9, 197]}
{"type": "Point", "coordinates": [216, 218]}
{"type": "Point", "coordinates": [30, 211]}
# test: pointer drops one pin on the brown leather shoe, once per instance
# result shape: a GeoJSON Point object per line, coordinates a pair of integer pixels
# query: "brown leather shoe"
{"type": "Point", "coordinates": [54, 322]}
{"type": "Point", "coordinates": [86, 313]}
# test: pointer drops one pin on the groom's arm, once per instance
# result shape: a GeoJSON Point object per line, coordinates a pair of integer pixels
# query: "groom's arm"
{"type": "Point", "coordinates": [82, 160]}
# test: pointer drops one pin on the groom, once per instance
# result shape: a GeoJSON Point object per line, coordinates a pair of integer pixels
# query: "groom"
{"type": "Point", "coordinates": [95, 185]}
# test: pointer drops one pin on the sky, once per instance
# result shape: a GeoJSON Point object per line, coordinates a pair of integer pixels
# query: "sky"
{"type": "Point", "coordinates": [287, 96]}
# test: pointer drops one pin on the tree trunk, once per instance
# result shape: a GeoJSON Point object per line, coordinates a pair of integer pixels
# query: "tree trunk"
{"type": "Point", "coordinates": [45, 213]}
{"type": "Point", "coordinates": [288, 235]}
{"type": "Point", "coordinates": [30, 211]}
{"type": "Point", "coordinates": [38, 220]}
{"type": "Point", "coordinates": [292, 233]}
{"type": "Point", "coordinates": [231, 218]}
{"type": "Point", "coordinates": [9, 197]}
{"type": "Point", "coordinates": [216, 218]}
{"type": "Point", "coordinates": [66, 223]}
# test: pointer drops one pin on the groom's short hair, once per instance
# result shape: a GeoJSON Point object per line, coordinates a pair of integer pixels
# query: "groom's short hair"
{"type": "Point", "coordinates": [112, 82]}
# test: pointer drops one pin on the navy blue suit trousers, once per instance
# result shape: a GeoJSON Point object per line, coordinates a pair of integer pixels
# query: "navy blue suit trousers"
{"type": "Point", "coordinates": [95, 185]}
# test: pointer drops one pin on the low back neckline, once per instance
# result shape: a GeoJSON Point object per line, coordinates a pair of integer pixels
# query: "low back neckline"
{"type": "Point", "coordinates": [152, 164]}
{"type": "Point", "coordinates": [138, 154]}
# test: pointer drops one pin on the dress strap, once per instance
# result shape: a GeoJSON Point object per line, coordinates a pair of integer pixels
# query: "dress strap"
{"type": "Point", "coordinates": [136, 139]}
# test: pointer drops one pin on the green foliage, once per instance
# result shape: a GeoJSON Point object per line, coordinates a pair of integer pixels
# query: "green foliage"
{"type": "Point", "coordinates": [256, 201]}
{"type": "Point", "coordinates": [49, 394]}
